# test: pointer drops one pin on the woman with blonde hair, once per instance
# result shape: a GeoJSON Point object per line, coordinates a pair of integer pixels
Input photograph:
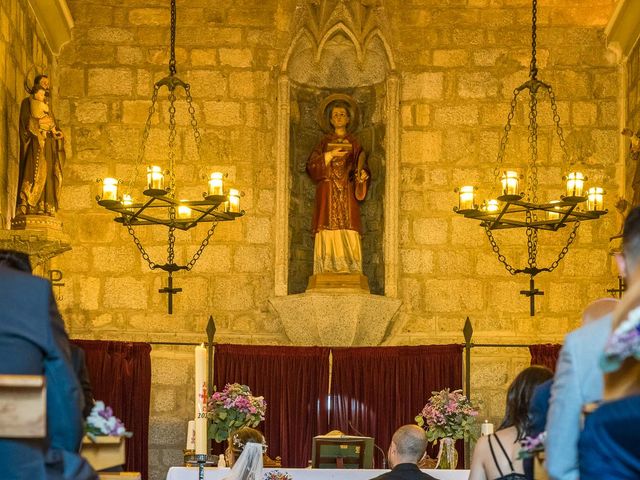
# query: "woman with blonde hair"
{"type": "Point", "coordinates": [245, 454]}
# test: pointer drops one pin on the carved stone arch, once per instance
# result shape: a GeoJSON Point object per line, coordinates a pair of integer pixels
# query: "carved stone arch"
{"type": "Point", "coordinates": [339, 27]}
{"type": "Point", "coordinates": [379, 95]}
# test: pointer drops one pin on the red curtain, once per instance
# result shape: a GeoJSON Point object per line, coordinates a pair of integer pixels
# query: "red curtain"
{"type": "Point", "coordinates": [121, 377]}
{"type": "Point", "coordinates": [375, 390]}
{"type": "Point", "coordinates": [545, 355]}
{"type": "Point", "coordinates": [294, 381]}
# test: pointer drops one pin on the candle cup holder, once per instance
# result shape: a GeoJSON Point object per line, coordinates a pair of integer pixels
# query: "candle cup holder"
{"type": "Point", "coordinates": [192, 460]}
{"type": "Point", "coordinates": [107, 203]}
{"type": "Point", "coordinates": [573, 199]}
{"type": "Point", "coordinates": [214, 198]}
{"type": "Point", "coordinates": [467, 212]}
{"type": "Point", "coordinates": [510, 198]}
{"type": "Point", "coordinates": [155, 192]}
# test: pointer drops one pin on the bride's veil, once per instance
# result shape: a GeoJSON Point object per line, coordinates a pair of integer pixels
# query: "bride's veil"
{"type": "Point", "coordinates": [249, 464]}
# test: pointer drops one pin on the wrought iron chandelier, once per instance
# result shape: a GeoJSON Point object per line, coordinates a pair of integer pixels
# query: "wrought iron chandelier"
{"type": "Point", "coordinates": [515, 209]}
{"type": "Point", "coordinates": [160, 206]}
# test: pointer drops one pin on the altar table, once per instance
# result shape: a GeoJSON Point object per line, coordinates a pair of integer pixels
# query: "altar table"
{"type": "Point", "coordinates": [191, 473]}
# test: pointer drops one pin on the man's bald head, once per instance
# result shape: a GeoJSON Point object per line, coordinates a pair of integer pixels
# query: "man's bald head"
{"type": "Point", "coordinates": [598, 308]}
{"type": "Point", "coordinates": [410, 442]}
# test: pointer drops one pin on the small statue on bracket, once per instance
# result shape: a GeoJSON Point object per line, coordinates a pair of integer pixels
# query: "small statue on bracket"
{"type": "Point", "coordinates": [41, 153]}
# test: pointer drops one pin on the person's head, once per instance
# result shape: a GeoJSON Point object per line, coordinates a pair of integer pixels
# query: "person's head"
{"type": "Point", "coordinates": [407, 445]}
{"type": "Point", "coordinates": [629, 260]}
{"type": "Point", "coordinates": [240, 439]}
{"type": "Point", "coordinates": [598, 308]}
{"type": "Point", "coordinates": [519, 396]}
{"type": "Point", "coordinates": [39, 93]}
{"type": "Point", "coordinates": [41, 81]}
{"type": "Point", "coordinates": [339, 115]}
{"type": "Point", "coordinates": [15, 260]}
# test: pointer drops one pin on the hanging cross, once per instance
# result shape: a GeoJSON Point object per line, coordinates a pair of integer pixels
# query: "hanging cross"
{"type": "Point", "coordinates": [171, 292]}
{"type": "Point", "coordinates": [531, 293]}
{"type": "Point", "coordinates": [622, 287]}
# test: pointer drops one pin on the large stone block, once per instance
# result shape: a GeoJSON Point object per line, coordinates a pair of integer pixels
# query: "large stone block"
{"type": "Point", "coordinates": [223, 113]}
{"type": "Point", "coordinates": [458, 115]}
{"type": "Point", "coordinates": [235, 57]}
{"type": "Point", "coordinates": [422, 86]}
{"type": "Point", "coordinates": [110, 81]}
{"type": "Point", "coordinates": [149, 16]}
{"type": "Point", "coordinates": [109, 34]}
{"type": "Point", "coordinates": [91, 112]}
{"type": "Point", "coordinates": [252, 259]}
{"type": "Point", "coordinates": [417, 261]}
{"type": "Point", "coordinates": [122, 293]}
{"type": "Point", "coordinates": [249, 84]}
{"type": "Point", "coordinates": [258, 229]}
{"type": "Point", "coordinates": [453, 295]}
{"type": "Point", "coordinates": [450, 58]}
{"type": "Point", "coordinates": [421, 147]}
{"type": "Point", "coordinates": [430, 231]}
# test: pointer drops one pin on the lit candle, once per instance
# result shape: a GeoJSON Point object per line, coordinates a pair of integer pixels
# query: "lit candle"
{"type": "Point", "coordinates": [109, 189]}
{"type": "Point", "coordinates": [155, 178]}
{"type": "Point", "coordinates": [233, 205]}
{"type": "Point", "coordinates": [184, 211]}
{"type": "Point", "coordinates": [201, 399]}
{"type": "Point", "coordinates": [595, 199]}
{"type": "Point", "coordinates": [466, 197]}
{"type": "Point", "coordinates": [127, 201]}
{"type": "Point", "coordinates": [486, 428]}
{"type": "Point", "coordinates": [575, 184]}
{"type": "Point", "coordinates": [510, 183]}
{"type": "Point", "coordinates": [492, 206]}
{"type": "Point", "coordinates": [555, 214]}
{"type": "Point", "coordinates": [215, 184]}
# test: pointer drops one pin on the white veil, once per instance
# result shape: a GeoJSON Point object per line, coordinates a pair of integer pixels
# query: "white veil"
{"type": "Point", "coordinates": [249, 465]}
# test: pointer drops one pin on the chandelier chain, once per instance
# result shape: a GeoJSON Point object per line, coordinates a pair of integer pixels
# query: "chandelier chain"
{"type": "Point", "coordinates": [532, 185]}
{"type": "Point", "coordinates": [565, 249]}
{"type": "Point", "coordinates": [145, 137]}
{"type": "Point", "coordinates": [505, 136]}
{"type": "Point", "coordinates": [532, 243]}
{"type": "Point", "coordinates": [172, 60]}
{"type": "Point", "coordinates": [192, 114]}
{"type": "Point", "coordinates": [533, 71]}
{"type": "Point", "coordinates": [172, 143]}
{"type": "Point", "coordinates": [203, 245]}
{"type": "Point", "coordinates": [556, 121]}
{"type": "Point", "coordinates": [143, 252]}
{"type": "Point", "coordinates": [501, 258]}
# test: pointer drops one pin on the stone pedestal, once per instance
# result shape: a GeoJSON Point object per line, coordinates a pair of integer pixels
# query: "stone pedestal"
{"type": "Point", "coordinates": [335, 319]}
{"type": "Point", "coordinates": [344, 282]}
{"type": "Point", "coordinates": [39, 236]}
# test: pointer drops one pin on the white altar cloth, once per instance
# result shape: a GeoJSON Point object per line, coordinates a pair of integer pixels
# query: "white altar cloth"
{"type": "Point", "coordinates": [191, 473]}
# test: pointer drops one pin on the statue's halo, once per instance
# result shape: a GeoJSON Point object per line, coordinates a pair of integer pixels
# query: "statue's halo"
{"type": "Point", "coordinates": [325, 107]}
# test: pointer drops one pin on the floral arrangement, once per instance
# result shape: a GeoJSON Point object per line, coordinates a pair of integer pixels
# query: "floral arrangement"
{"type": "Point", "coordinates": [448, 415]}
{"type": "Point", "coordinates": [277, 475]}
{"type": "Point", "coordinates": [233, 408]}
{"type": "Point", "coordinates": [623, 343]}
{"type": "Point", "coordinates": [102, 422]}
{"type": "Point", "coordinates": [531, 446]}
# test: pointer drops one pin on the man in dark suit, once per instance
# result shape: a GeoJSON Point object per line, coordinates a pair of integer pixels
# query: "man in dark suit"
{"type": "Point", "coordinates": [33, 342]}
{"type": "Point", "coordinates": [407, 447]}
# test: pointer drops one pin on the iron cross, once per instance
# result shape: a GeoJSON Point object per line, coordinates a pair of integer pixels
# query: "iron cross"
{"type": "Point", "coordinates": [621, 288]}
{"type": "Point", "coordinates": [171, 292]}
{"type": "Point", "coordinates": [531, 293]}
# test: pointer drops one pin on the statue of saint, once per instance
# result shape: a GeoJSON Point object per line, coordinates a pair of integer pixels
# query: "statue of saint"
{"type": "Point", "coordinates": [41, 154]}
{"type": "Point", "coordinates": [338, 166]}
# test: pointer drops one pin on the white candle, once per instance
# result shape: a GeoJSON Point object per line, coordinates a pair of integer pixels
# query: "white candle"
{"type": "Point", "coordinates": [486, 428]}
{"type": "Point", "coordinates": [466, 197]}
{"type": "Point", "coordinates": [595, 199]}
{"type": "Point", "coordinates": [575, 184]}
{"type": "Point", "coordinates": [201, 399]}
{"type": "Point", "coordinates": [234, 201]}
{"type": "Point", "coordinates": [109, 189]}
{"type": "Point", "coordinates": [184, 212]}
{"type": "Point", "coordinates": [155, 178]}
{"type": "Point", "coordinates": [510, 183]}
{"type": "Point", "coordinates": [215, 184]}
{"type": "Point", "coordinates": [191, 435]}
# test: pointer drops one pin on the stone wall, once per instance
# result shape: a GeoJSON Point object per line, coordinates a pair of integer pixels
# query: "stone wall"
{"type": "Point", "coordinates": [633, 111]}
{"type": "Point", "coordinates": [458, 63]}
{"type": "Point", "coordinates": [22, 46]}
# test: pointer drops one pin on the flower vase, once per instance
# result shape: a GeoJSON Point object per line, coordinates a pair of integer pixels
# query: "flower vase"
{"type": "Point", "coordinates": [447, 455]}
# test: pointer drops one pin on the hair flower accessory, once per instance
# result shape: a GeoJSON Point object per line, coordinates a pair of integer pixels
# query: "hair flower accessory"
{"type": "Point", "coordinates": [102, 422]}
{"type": "Point", "coordinates": [623, 343]}
{"type": "Point", "coordinates": [531, 446]}
{"type": "Point", "coordinates": [240, 444]}
{"type": "Point", "coordinates": [448, 415]}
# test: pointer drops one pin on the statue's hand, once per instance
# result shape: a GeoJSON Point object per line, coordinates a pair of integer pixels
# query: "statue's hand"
{"type": "Point", "coordinates": [58, 134]}
{"type": "Point", "coordinates": [364, 176]}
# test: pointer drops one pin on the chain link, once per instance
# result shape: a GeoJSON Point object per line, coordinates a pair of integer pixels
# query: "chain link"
{"type": "Point", "coordinates": [203, 245]}
{"type": "Point", "coordinates": [194, 122]}
{"type": "Point", "coordinates": [145, 137]}
{"type": "Point", "coordinates": [505, 136]}
{"type": "Point", "coordinates": [565, 249]}
{"type": "Point", "coordinates": [172, 60]}
{"type": "Point", "coordinates": [533, 72]}
{"type": "Point", "coordinates": [559, 131]}
{"type": "Point", "coordinates": [172, 143]}
{"type": "Point", "coordinates": [501, 258]}
{"type": "Point", "coordinates": [143, 252]}
{"type": "Point", "coordinates": [532, 184]}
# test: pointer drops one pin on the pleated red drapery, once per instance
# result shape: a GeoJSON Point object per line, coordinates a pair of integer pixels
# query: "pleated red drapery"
{"type": "Point", "coordinates": [293, 380]}
{"type": "Point", "coordinates": [375, 390]}
{"type": "Point", "coordinates": [545, 355]}
{"type": "Point", "coordinates": [120, 374]}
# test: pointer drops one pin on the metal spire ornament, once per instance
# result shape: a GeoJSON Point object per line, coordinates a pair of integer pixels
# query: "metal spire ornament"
{"type": "Point", "coordinates": [160, 206]}
{"type": "Point", "coordinates": [515, 209]}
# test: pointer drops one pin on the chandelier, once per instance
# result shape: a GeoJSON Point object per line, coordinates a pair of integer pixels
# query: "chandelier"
{"type": "Point", "coordinates": [512, 208]}
{"type": "Point", "coordinates": [159, 205]}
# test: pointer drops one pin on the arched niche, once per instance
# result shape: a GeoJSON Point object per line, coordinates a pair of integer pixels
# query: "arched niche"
{"type": "Point", "coordinates": [337, 61]}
